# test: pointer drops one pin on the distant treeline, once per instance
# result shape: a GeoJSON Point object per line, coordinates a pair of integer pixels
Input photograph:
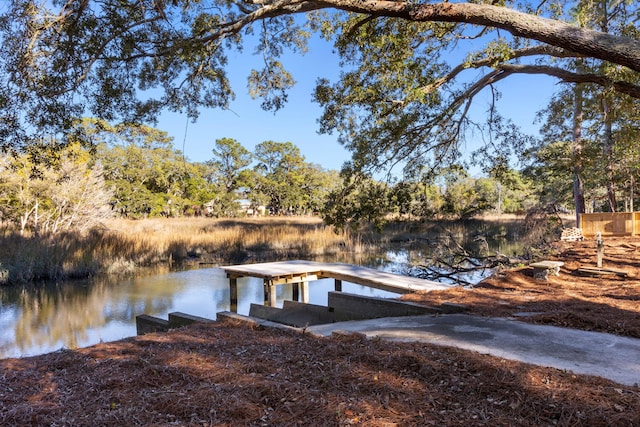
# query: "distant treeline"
{"type": "Point", "coordinates": [102, 171]}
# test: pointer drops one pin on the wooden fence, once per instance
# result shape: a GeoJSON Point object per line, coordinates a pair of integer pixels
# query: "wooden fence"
{"type": "Point", "coordinates": [610, 224]}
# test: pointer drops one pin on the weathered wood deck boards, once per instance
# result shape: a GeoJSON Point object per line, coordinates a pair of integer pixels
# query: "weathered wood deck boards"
{"type": "Point", "coordinates": [299, 273]}
{"type": "Point", "coordinates": [274, 270]}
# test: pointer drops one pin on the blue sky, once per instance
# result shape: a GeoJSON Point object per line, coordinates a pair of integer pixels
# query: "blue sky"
{"type": "Point", "coordinates": [247, 123]}
{"type": "Point", "coordinates": [522, 97]}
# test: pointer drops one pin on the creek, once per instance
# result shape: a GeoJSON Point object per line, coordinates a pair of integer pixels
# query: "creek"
{"type": "Point", "coordinates": [40, 318]}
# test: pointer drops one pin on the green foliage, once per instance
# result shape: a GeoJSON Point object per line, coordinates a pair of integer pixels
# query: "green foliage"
{"type": "Point", "coordinates": [382, 108]}
{"type": "Point", "coordinates": [447, 193]}
{"type": "Point", "coordinates": [465, 196]}
{"type": "Point", "coordinates": [605, 154]}
{"type": "Point", "coordinates": [421, 200]}
{"type": "Point", "coordinates": [149, 176]}
{"type": "Point", "coordinates": [551, 170]}
{"type": "Point", "coordinates": [126, 61]}
{"type": "Point", "coordinates": [404, 97]}
{"type": "Point", "coordinates": [271, 84]}
{"type": "Point", "coordinates": [430, 201]}
{"type": "Point", "coordinates": [230, 158]}
{"type": "Point", "coordinates": [516, 193]}
{"type": "Point", "coordinates": [280, 175]}
{"type": "Point", "coordinates": [359, 201]}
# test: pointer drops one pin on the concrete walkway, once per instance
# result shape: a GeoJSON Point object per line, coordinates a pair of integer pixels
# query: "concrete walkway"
{"type": "Point", "coordinates": [591, 353]}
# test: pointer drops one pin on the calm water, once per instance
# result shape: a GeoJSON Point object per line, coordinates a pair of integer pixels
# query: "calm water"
{"type": "Point", "coordinates": [40, 319]}
{"type": "Point", "coordinates": [37, 319]}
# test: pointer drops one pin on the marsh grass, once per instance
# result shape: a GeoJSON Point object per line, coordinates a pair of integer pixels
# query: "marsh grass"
{"type": "Point", "coordinates": [123, 246]}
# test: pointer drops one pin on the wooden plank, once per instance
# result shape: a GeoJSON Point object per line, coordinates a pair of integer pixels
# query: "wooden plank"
{"type": "Point", "coordinates": [290, 280]}
{"type": "Point", "coordinates": [380, 279]}
{"type": "Point", "coordinates": [269, 293]}
{"type": "Point", "coordinates": [233, 294]}
{"type": "Point", "coordinates": [304, 290]}
{"type": "Point", "coordinates": [271, 270]}
{"type": "Point", "coordinates": [382, 283]}
{"type": "Point", "coordinates": [609, 224]}
{"type": "Point", "coordinates": [299, 273]}
{"type": "Point", "coordinates": [595, 271]}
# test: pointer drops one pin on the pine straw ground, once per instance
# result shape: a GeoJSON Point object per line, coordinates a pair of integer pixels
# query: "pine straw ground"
{"type": "Point", "coordinates": [228, 374]}
{"type": "Point", "coordinates": [604, 304]}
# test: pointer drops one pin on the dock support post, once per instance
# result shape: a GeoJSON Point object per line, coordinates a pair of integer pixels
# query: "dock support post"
{"type": "Point", "coordinates": [266, 292]}
{"type": "Point", "coordinates": [338, 285]}
{"type": "Point", "coordinates": [233, 294]}
{"type": "Point", "coordinates": [599, 249]}
{"type": "Point", "coordinates": [305, 292]}
{"type": "Point", "coordinates": [269, 293]}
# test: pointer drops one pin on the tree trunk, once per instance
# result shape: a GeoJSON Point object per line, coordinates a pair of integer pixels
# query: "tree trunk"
{"type": "Point", "coordinates": [36, 218]}
{"type": "Point", "coordinates": [608, 156]}
{"type": "Point", "coordinates": [632, 184]}
{"type": "Point", "coordinates": [578, 183]}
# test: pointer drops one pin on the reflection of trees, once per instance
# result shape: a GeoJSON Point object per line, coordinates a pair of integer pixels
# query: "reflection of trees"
{"type": "Point", "coordinates": [61, 314]}
{"type": "Point", "coordinates": [57, 314]}
{"type": "Point", "coordinates": [48, 317]}
{"type": "Point", "coordinates": [250, 289]}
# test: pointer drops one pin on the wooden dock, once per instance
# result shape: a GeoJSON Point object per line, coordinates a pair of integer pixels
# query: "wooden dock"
{"type": "Point", "coordinates": [299, 273]}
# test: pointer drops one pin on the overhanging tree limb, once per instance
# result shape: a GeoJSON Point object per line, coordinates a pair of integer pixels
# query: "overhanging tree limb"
{"type": "Point", "coordinates": [491, 60]}
{"type": "Point", "coordinates": [571, 77]}
{"type": "Point", "coordinates": [105, 56]}
{"type": "Point", "coordinates": [617, 49]}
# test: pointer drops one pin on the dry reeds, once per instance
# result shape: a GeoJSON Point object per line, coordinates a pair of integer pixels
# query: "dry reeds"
{"type": "Point", "coordinates": [123, 245]}
{"type": "Point", "coordinates": [227, 239]}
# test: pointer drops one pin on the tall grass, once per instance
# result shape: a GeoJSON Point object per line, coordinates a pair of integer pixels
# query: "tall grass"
{"type": "Point", "coordinates": [122, 246]}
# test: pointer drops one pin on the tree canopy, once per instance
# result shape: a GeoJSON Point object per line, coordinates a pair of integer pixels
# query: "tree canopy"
{"type": "Point", "coordinates": [399, 97]}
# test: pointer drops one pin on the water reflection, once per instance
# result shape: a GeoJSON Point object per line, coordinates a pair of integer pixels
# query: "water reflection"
{"type": "Point", "coordinates": [43, 318]}
{"type": "Point", "coordinates": [40, 319]}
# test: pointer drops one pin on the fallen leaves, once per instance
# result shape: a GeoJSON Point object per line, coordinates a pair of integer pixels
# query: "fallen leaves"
{"type": "Point", "coordinates": [228, 374]}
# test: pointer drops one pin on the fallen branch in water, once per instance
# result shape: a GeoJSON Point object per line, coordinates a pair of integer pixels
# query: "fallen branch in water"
{"type": "Point", "coordinates": [455, 262]}
{"type": "Point", "coordinates": [437, 268]}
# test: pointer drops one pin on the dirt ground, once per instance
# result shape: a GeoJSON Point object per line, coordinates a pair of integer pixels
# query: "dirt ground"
{"type": "Point", "coordinates": [228, 374]}
{"type": "Point", "coordinates": [605, 304]}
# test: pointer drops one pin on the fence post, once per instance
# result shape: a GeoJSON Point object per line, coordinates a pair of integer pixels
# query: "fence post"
{"type": "Point", "coordinates": [579, 225]}
{"type": "Point", "coordinates": [600, 248]}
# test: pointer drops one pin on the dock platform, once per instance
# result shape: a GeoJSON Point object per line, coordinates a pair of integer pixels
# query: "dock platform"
{"type": "Point", "coordinates": [299, 273]}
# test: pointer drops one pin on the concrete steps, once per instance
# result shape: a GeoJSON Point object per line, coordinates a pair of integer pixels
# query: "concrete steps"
{"type": "Point", "coordinates": [343, 307]}
{"type": "Point", "coordinates": [294, 313]}
{"type": "Point", "coordinates": [146, 324]}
